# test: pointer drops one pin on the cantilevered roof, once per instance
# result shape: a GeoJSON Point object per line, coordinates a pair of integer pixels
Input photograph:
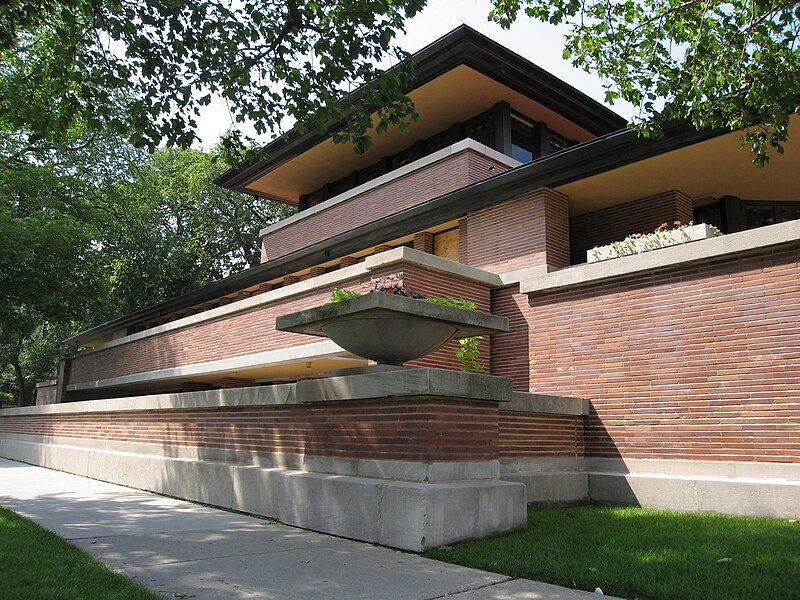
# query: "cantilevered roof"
{"type": "Point", "coordinates": [605, 158]}
{"type": "Point", "coordinates": [460, 75]}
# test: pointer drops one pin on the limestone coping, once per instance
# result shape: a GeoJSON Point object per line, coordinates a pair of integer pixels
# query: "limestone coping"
{"type": "Point", "coordinates": [401, 383]}
{"type": "Point", "coordinates": [545, 404]}
{"type": "Point", "coordinates": [745, 242]}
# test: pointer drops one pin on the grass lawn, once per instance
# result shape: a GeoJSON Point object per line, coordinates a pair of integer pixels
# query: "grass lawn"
{"type": "Point", "coordinates": [36, 564]}
{"type": "Point", "coordinates": [645, 554]}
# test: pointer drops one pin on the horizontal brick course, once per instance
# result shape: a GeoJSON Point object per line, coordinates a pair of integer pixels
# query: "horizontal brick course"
{"type": "Point", "coordinates": [446, 175]}
{"type": "Point", "coordinates": [416, 430]}
{"type": "Point", "coordinates": [696, 363]}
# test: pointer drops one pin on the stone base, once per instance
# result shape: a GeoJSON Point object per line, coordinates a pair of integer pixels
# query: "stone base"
{"type": "Point", "coordinates": [405, 515]}
{"type": "Point", "coordinates": [760, 489]}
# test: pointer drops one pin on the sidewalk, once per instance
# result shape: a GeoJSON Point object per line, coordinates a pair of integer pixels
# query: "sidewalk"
{"type": "Point", "coordinates": [183, 550]}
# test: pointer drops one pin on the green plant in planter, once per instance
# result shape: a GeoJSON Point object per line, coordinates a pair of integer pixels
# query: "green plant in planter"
{"type": "Point", "coordinates": [469, 350]}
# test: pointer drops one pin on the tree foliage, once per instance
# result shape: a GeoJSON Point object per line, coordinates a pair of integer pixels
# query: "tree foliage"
{"type": "Point", "coordinates": [162, 60]}
{"type": "Point", "coordinates": [733, 64]}
{"type": "Point", "coordinates": [91, 228]}
{"type": "Point", "coordinates": [145, 69]}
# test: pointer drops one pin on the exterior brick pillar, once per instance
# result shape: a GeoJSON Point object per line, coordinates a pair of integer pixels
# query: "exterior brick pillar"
{"type": "Point", "coordinates": [423, 241]}
{"type": "Point", "coordinates": [241, 295]}
{"type": "Point", "coordinates": [290, 279]}
{"type": "Point", "coordinates": [381, 248]}
{"type": "Point", "coordinates": [223, 301]}
{"type": "Point", "coordinates": [264, 287]}
{"type": "Point", "coordinates": [535, 230]}
{"type": "Point", "coordinates": [317, 271]}
{"type": "Point", "coordinates": [348, 261]}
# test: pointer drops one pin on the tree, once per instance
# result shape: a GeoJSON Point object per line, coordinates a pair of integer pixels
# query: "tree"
{"type": "Point", "coordinates": [727, 64]}
{"type": "Point", "coordinates": [91, 228]}
{"type": "Point", "coordinates": [47, 259]}
{"type": "Point", "coordinates": [167, 229]}
{"type": "Point", "coordinates": [161, 60]}
{"type": "Point", "coordinates": [733, 64]}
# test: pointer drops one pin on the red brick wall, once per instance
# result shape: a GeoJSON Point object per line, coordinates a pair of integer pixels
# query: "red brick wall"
{"type": "Point", "coordinates": [509, 351]}
{"type": "Point", "coordinates": [527, 231]}
{"type": "Point", "coordinates": [405, 430]}
{"type": "Point", "coordinates": [435, 283]}
{"type": "Point", "coordinates": [618, 222]}
{"type": "Point", "coordinates": [444, 176]}
{"type": "Point", "coordinates": [246, 332]}
{"type": "Point", "coordinates": [701, 362]}
{"type": "Point", "coordinates": [419, 429]}
{"type": "Point", "coordinates": [524, 434]}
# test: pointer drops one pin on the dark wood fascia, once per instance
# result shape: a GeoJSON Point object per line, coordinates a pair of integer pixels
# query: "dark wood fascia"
{"type": "Point", "coordinates": [464, 46]}
{"type": "Point", "coordinates": [587, 159]}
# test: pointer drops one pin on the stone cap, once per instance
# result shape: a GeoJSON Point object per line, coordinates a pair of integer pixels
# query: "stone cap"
{"type": "Point", "coordinates": [469, 323]}
{"type": "Point", "coordinates": [406, 383]}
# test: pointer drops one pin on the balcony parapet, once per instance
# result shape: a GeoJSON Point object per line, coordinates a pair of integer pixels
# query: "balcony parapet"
{"type": "Point", "coordinates": [451, 168]}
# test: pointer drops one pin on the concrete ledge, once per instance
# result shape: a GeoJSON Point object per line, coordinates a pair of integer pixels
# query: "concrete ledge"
{"type": "Point", "coordinates": [745, 242]}
{"type": "Point", "coordinates": [410, 516]}
{"type": "Point", "coordinates": [292, 354]}
{"type": "Point", "coordinates": [540, 403]}
{"type": "Point", "coordinates": [518, 464]}
{"type": "Point", "coordinates": [553, 487]}
{"type": "Point", "coordinates": [284, 460]}
{"type": "Point", "coordinates": [421, 382]}
{"type": "Point", "coordinates": [735, 495]}
{"type": "Point", "coordinates": [696, 468]}
{"type": "Point", "coordinates": [271, 395]}
{"type": "Point", "coordinates": [415, 471]}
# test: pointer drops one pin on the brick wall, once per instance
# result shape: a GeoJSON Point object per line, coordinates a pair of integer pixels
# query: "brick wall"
{"type": "Point", "coordinates": [701, 362]}
{"type": "Point", "coordinates": [436, 283]}
{"type": "Point", "coordinates": [419, 430]}
{"type": "Point", "coordinates": [444, 176]}
{"type": "Point", "coordinates": [509, 351]}
{"type": "Point", "coordinates": [246, 332]}
{"type": "Point", "coordinates": [618, 222]}
{"type": "Point", "coordinates": [424, 430]}
{"type": "Point", "coordinates": [252, 331]}
{"type": "Point", "coordinates": [525, 434]}
{"type": "Point", "coordinates": [527, 231]}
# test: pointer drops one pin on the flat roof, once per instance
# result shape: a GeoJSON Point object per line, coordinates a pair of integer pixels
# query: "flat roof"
{"type": "Point", "coordinates": [464, 59]}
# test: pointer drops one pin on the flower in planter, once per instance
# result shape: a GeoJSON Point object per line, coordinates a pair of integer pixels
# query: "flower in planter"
{"type": "Point", "coordinates": [469, 350]}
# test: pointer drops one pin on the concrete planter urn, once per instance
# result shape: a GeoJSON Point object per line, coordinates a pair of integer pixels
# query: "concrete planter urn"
{"type": "Point", "coordinates": [390, 329]}
{"type": "Point", "coordinates": [651, 241]}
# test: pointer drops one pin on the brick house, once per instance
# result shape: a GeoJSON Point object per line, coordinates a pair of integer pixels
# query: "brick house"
{"type": "Point", "coordinates": [669, 378]}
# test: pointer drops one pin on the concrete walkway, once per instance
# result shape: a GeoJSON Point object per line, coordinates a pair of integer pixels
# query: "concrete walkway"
{"type": "Point", "coordinates": [183, 550]}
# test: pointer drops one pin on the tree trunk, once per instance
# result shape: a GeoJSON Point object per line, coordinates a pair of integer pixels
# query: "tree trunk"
{"type": "Point", "coordinates": [20, 378]}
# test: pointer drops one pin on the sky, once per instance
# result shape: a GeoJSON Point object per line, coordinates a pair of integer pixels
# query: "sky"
{"type": "Point", "coordinates": [540, 43]}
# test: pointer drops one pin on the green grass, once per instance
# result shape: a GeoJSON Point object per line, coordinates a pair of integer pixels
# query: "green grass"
{"type": "Point", "coordinates": [36, 564]}
{"type": "Point", "coordinates": [645, 554]}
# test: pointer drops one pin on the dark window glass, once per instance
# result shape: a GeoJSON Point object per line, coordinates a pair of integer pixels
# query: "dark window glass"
{"type": "Point", "coordinates": [758, 214]}
{"type": "Point", "coordinates": [710, 213]}
{"type": "Point", "coordinates": [559, 142]}
{"type": "Point", "coordinates": [523, 155]}
{"type": "Point", "coordinates": [522, 142]}
{"type": "Point", "coordinates": [479, 129]}
{"type": "Point", "coordinates": [788, 212]}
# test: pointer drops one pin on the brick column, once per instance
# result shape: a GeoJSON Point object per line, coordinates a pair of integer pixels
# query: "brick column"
{"type": "Point", "coordinates": [423, 241]}
{"type": "Point", "coordinates": [348, 261]}
{"type": "Point", "coordinates": [317, 271]}
{"type": "Point", "coordinates": [527, 231]}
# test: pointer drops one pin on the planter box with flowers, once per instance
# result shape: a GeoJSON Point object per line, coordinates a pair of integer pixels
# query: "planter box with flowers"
{"type": "Point", "coordinates": [392, 324]}
{"type": "Point", "coordinates": [662, 237]}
